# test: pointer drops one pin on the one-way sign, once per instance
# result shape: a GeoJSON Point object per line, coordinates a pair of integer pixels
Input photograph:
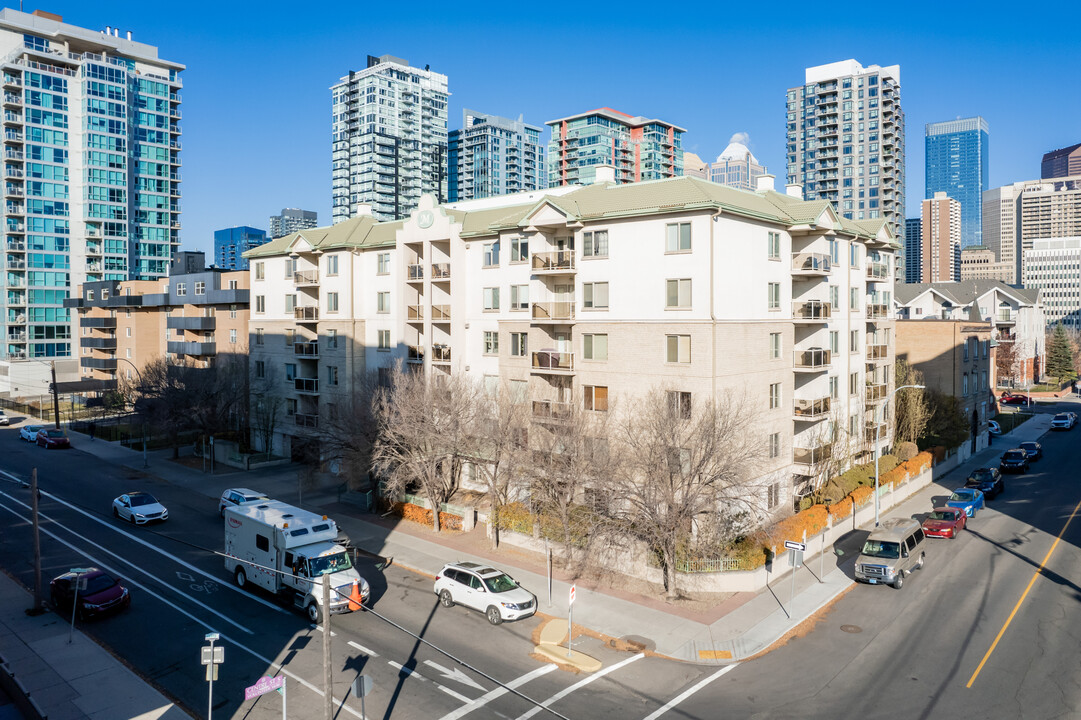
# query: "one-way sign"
{"type": "Point", "coordinates": [793, 545]}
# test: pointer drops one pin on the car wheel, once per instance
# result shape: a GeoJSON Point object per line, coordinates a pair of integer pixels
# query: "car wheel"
{"type": "Point", "coordinates": [445, 599]}
{"type": "Point", "coordinates": [131, 518]}
{"type": "Point", "coordinates": [493, 615]}
{"type": "Point", "coordinates": [923, 559]}
{"type": "Point", "coordinates": [240, 577]}
{"type": "Point", "coordinates": [314, 614]}
{"type": "Point", "coordinates": [899, 582]}
{"type": "Point", "coordinates": [116, 513]}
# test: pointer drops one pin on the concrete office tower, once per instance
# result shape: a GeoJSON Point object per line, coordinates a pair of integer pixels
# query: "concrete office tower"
{"type": "Point", "coordinates": [91, 170]}
{"type": "Point", "coordinates": [1061, 163]}
{"type": "Point", "coordinates": [846, 140]}
{"type": "Point", "coordinates": [292, 220]}
{"type": "Point", "coordinates": [639, 148]}
{"type": "Point", "coordinates": [389, 142]}
{"type": "Point", "coordinates": [1000, 217]}
{"type": "Point", "coordinates": [1052, 267]}
{"type": "Point", "coordinates": [737, 167]}
{"type": "Point", "coordinates": [913, 250]}
{"type": "Point", "coordinates": [956, 163]}
{"type": "Point", "coordinates": [231, 243]}
{"type": "Point", "coordinates": [941, 239]}
{"type": "Point", "coordinates": [492, 156]}
{"type": "Point", "coordinates": [980, 263]}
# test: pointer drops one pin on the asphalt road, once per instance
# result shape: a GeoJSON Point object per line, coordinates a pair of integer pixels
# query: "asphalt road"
{"type": "Point", "coordinates": [903, 654]}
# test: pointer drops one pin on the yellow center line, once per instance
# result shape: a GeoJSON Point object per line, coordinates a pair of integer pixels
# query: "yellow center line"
{"type": "Point", "coordinates": [1023, 596]}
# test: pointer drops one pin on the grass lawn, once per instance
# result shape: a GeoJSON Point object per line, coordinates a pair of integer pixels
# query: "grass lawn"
{"type": "Point", "coordinates": [1009, 420]}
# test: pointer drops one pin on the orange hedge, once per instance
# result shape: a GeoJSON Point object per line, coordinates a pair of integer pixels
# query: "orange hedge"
{"type": "Point", "coordinates": [813, 519]}
{"type": "Point", "coordinates": [841, 508]}
{"type": "Point", "coordinates": [907, 470]}
{"type": "Point", "coordinates": [417, 514]}
{"type": "Point", "coordinates": [861, 495]}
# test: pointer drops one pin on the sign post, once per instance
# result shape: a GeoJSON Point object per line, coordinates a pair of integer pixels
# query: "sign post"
{"type": "Point", "coordinates": [570, 620]}
{"type": "Point", "coordinates": [264, 685]}
{"type": "Point", "coordinates": [796, 561]}
{"type": "Point", "coordinates": [361, 687]}
{"type": "Point", "coordinates": [80, 584]}
{"type": "Point", "coordinates": [211, 657]}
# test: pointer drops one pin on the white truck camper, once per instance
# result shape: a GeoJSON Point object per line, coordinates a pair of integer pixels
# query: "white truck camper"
{"type": "Point", "coordinates": [287, 551]}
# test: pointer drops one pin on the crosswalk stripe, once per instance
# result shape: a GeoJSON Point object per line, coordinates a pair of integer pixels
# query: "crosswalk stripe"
{"type": "Point", "coordinates": [498, 692]}
{"type": "Point", "coordinates": [581, 683]}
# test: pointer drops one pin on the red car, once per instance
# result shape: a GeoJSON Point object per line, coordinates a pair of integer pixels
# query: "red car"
{"type": "Point", "coordinates": [50, 438]}
{"type": "Point", "coordinates": [99, 593]}
{"type": "Point", "coordinates": [1015, 399]}
{"type": "Point", "coordinates": [944, 522]}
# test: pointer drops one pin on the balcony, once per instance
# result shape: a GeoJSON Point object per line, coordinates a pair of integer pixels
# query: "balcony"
{"type": "Point", "coordinates": [308, 421]}
{"type": "Point", "coordinates": [812, 456]}
{"type": "Point", "coordinates": [415, 273]}
{"type": "Point", "coordinates": [550, 361]}
{"type": "Point", "coordinates": [811, 311]}
{"type": "Point", "coordinates": [414, 313]}
{"type": "Point", "coordinates": [1004, 318]}
{"type": "Point", "coordinates": [811, 410]}
{"type": "Point", "coordinates": [306, 314]}
{"type": "Point", "coordinates": [813, 360]}
{"type": "Point", "coordinates": [560, 261]}
{"type": "Point", "coordinates": [98, 363]}
{"type": "Point", "coordinates": [307, 386]}
{"type": "Point", "coordinates": [106, 343]}
{"type": "Point", "coordinates": [306, 277]}
{"type": "Point", "coordinates": [440, 354]}
{"type": "Point", "coordinates": [875, 432]}
{"type": "Point", "coordinates": [553, 311]}
{"type": "Point", "coordinates": [191, 348]}
{"type": "Point", "coordinates": [877, 351]}
{"type": "Point", "coordinates": [551, 410]}
{"type": "Point", "coordinates": [441, 271]}
{"type": "Point", "coordinates": [876, 392]}
{"type": "Point", "coordinates": [810, 264]}
{"type": "Point", "coordinates": [415, 354]}
{"type": "Point", "coordinates": [309, 350]}
{"type": "Point", "coordinates": [441, 313]}
{"type": "Point", "coordinates": [877, 311]}
{"type": "Point", "coordinates": [19, 337]}
{"type": "Point", "coordinates": [191, 323]}
{"type": "Point", "coordinates": [878, 271]}
{"type": "Point", "coordinates": [97, 322]}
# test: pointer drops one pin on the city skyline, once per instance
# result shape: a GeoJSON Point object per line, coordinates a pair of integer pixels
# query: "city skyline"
{"type": "Point", "coordinates": [218, 144]}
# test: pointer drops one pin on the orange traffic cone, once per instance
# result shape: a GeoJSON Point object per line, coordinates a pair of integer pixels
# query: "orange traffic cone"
{"type": "Point", "coordinates": [355, 598]}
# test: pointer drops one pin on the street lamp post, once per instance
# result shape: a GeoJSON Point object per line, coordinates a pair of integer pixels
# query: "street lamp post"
{"type": "Point", "coordinates": [139, 375]}
{"type": "Point", "coordinates": [878, 435]}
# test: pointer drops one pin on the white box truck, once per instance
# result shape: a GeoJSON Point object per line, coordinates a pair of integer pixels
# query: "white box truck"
{"type": "Point", "coordinates": [287, 551]}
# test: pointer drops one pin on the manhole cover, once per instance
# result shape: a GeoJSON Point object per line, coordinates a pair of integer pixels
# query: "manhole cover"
{"type": "Point", "coordinates": [851, 628]}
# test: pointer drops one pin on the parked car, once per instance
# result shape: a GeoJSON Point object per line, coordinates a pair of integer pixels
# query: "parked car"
{"type": "Point", "coordinates": [139, 508]}
{"type": "Point", "coordinates": [986, 480]}
{"type": "Point", "coordinates": [1015, 399]}
{"type": "Point", "coordinates": [993, 428]}
{"type": "Point", "coordinates": [1033, 449]}
{"type": "Point", "coordinates": [969, 500]}
{"type": "Point", "coordinates": [98, 593]}
{"type": "Point", "coordinates": [1015, 460]}
{"type": "Point", "coordinates": [944, 522]}
{"type": "Point", "coordinates": [483, 588]}
{"type": "Point", "coordinates": [29, 433]}
{"type": "Point", "coordinates": [238, 496]}
{"type": "Point", "coordinates": [1063, 421]}
{"type": "Point", "coordinates": [4, 419]}
{"type": "Point", "coordinates": [50, 438]}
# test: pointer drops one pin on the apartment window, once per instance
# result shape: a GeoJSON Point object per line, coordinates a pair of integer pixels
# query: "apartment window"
{"type": "Point", "coordinates": [964, 385]}
{"type": "Point", "coordinates": [491, 299]}
{"type": "Point", "coordinates": [260, 303]}
{"type": "Point", "coordinates": [774, 297]}
{"type": "Point", "coordinates": [519, 297]}
{"type": "Point", "coordinates": [835, 297]}
{"type": "Point", "coordinates": [233, 285]}
{"type": "Point", "coordinates": [595, 346]}
{"type": "Point", "coordinates": [679, 237]}
{"type": "Point", "coordinates": [595, 244]}
{"type": "Point", "coordinates": [773, 495]}
{"type": "Point", "coordinates": [181, 289]}
{"type": "Point", "coordinates": [260, 272]}
{"type": "Point", "coordinates": [290, 268]}
{"type": "Point", "coordinates": [774, 346]}
{"type": "Point", "coordinates": [853, 340]}
{"type": "Point", "coordinates": [290, 372]}
{"type": "Point", "coordinates": [290, 303]}
{"type": "Point", "coordinates": [89, 295]}
{"type": "Point", "coordinates": [105, 293]}
{"type": "Point", "coordinates": [595, 295]}
{"type": "Point", "coordinates": [679, 404]}
{"type": "Point", "coordinates": [383, 338]}
{"type": "Point", "coordinates": [677, 293]}
{"type": "Point", "coordinates": [835, 391]}
{"type": "Point", "coordinates": [232, 312]}
{"type": "Point", "coordinates": [127, 352]}
{"type": "Point", "coordinates": [332, 302]}
{"type": "Point", "coordinates": [678, 348]}
{"type": "Point", "coordinates": [596, 397]}
{"type": "Point", "coordinates": [382, 302]}
{"type": "Point", "coordinates": [774, 246]}
{"type": "Point", "coordinates": [835, 252]}
{"type": "Point", "coordinates": [127, 332]}
{"type": "Point", "coordinates": [332, 375]}
{"type": "Point", "coordinates": [854, 383]}
{"type": "Point", "coordinates": [332, 338]}
{"type": "Point", "coordinates": [964, 351]}
{"type": "Point", "coordinates": [260, 369]}
{"type": "Point", "coordinates": [332, 266]}
{"type": "Point", "coordinates": [518, 344]}
{"type": "Point", "coordinates": [382, 266]}
{"type": "Point", "coordinates": [775, 444]}
{"type": "Point", "coordinates": [853, 298]}
{"type": "Point", "coordinates": [774, 396]}
{"type": "Point", "coordinates": [835, 342]}
{"type": "Point", "coordinates": [491, 343]}
{"type": "Point", "coordinates": [290, 337]}
{"type": "Point", "coordinates": [854, 255]}
{"type": "Point", "coordinates": [200, 287]}
{"type": "Point", "coordinates": [232, 336]}
{"type": "Point", "coordinates": [491, 254]}
{"type": "Point", "coordinates": [519, 249]}
{"type": "Point", "coordinates": [258, 336]}
{"type": "Point", "coordinates": [290, 406]}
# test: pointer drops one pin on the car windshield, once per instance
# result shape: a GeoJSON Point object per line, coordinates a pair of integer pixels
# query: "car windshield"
{"type": "Point", "coordinates": [137, 500]}
{"type": "Point", "coordinates": [943, 515]}
{"type": "Point", "coordinates": [56, 433]}
{"type": "Point", "coordinates": [1028, 446]}
{"type": "Point", "coordinates": [962, 496]}
{"type": "Point", "coordinates": [879, 549]}
{"type": "Point", "coordinates": [1062, 418]}
{"type": "Point", "coordinates": [1014, 455]}
{"type": "Point", "coordinates": [327, 564]}
{"type": "Point", "coordinates": [981, 475]}
{"type": "Point", "coordinates": [98, 583]}
{"type": "Point", "coordinates": [500, 583]}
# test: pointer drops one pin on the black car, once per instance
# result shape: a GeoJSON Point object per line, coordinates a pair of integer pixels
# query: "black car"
{"type": "Point", "coordinates": [986, 480]}
{"type": "Point", "coordinates": [1033, 449]}
{"type": "Point", "coordinates": [1015, 460]}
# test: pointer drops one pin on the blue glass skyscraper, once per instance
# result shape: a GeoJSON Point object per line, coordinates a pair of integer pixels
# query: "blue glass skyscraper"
{"type": "Point", "coordinates": [956, 164]}
{"type": "Point", "coordinates": [230, 245]}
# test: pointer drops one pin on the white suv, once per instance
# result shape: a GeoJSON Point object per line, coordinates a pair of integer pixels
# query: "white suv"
{"type": "Point", "coordinates": [482, 587]}
{"type": "Point", "coordinates": [238, 496]}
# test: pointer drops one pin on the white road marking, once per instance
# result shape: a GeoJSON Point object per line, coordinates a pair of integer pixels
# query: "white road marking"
{"type": "Point", "coordinates": [151, 546]}
{"type": "Point", "coordinates": [454, 674]}
{"type": "Point", "coordinates": [581, 683]}
{"type": "Point", "coordinates": [498, 692]}
{"type": "Point", "coordinates": [270, 663]}
{"type": "Point", "coordinates": [418, 676]}
{"type": "Point", "coordinates": [366, 651]}
{"type": "Point", "coordinates": [690, 691]}
{"type": "Point", "coordinates": [129, 563]}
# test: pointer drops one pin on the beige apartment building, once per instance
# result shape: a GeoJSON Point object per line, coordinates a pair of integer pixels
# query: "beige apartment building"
{"type": "Point", "coordinates": [591, 296]}
{"type": "Point", "coordinates": [941, 239]}
{"type": "Point", "coordinates": [195, 315]}
{"type": "Point", "coordinates": [979, 263]}
{"type": "Point", "coordinates": [1017, 216]}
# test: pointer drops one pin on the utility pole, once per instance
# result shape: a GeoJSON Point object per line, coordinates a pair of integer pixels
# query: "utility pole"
{"type": "Point", "coordinates": [328, 688]}
{"type": "Point", "coordinates": [38, 608]}
{"type": "Point", "coordinates": [56, 399]}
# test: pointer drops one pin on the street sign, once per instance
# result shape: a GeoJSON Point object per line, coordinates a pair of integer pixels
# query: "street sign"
{"type": "Point", "coordinates": [264, 685]}
{"type": "Point", "coordinates": [796, 558]}
{"type": "Point", "coordinates": [217, 658]}
{"type": "Point", "coordinates": [792, 545]}
{"type": "Point", "coordinates": [572, 594]}
{"type": "Point", "coordinates": [211, 673]}
{"type": "Point", "coordinates": [362, 686]}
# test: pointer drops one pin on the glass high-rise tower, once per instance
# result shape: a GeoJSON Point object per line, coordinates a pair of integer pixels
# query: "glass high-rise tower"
{"type": "Point", "coordinates": [91, 170]}
{"type": "Point", "coordinates": [956, 164]}
{"type": "Point", "coordinates": [492, 156]}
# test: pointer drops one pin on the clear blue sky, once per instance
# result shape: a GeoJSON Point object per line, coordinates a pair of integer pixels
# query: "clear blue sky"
{"type": "Point", "coordinates": [256, 99]}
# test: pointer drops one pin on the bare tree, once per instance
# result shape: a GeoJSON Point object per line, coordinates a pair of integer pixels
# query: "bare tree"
{"type": "Point", "coordinates": [267, 408]}
{"type": "Point", "coordinates": [1007, 360]}
{"type": "Point", "coordinates": [424, 434]}
{"type": "Point", "coordinates": [350, 429]}
{"type": "Point", "coordinates": [166, 399]}
{"type": "Point", "coordinates": [839, 446]}
{"type": "Point", "coordinates": [686, 465]}
{"type": "Point", "coordinates": [911, 409]}
{"type": "Point", "coordinates": [502, 449]}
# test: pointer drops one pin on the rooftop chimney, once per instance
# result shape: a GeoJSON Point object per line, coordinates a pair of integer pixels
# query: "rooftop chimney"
{"type": "Point", "coordinates": [604, 173]}
{"type": "Point", "coordinates": [794, 190]}
{"type": "Point", "coordinates": [129, 34]}
{"type": "Point", "coordinates": [362, 209]}
{"type": "Point", "coordinates": [765, 182]}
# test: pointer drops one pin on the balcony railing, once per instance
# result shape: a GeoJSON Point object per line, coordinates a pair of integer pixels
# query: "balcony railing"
{"type": "Point", "coordinates": [552, 361]}
{"type": "Point", "coordinates": [810, 264]}
{"type": "Point", "coordinates": [875, 432]}
{"type": "Point", "coordinates": [877, 271]}
{"type": "Point", "coordinates": [441, 313]}
{"type": "Point", "coordinates": [551, 410]}
{"type": "Point", "coordinates": [440, 354]}
{"type": "Point", "coordinates": [812, 409]}
{"type": "Point", "coordinates": [306, 385]}
{"type": "Point", "coordinates": [416, 273]}
{"type": "Point", "coordinates": [877, 351]}
{"type": "Point", "coordinates": [415, 354]}
{"type": "Point", "coordinates": [191, 348]}
{"type": "Point", "coordinates": [97, 322]}
{"type": "Point", "coordinates": [553, 311]}
{"type": "Point", "coordinates": [306, 349]}
{"type": "Point", "coordinates": [306, 277]}
{"type": "Point", "coordinates": [812, 310]}
{"type": "Point", "coordinates": [812, 456]}
{"type": "Point", "coordinates": [557, 261]}
{"type": "Point", "coordinates": [440, 271]}
{"type": "Point", "coordinates": [1004, 318]}
{"type": "Point", "coordinates": [310, 421]}
{"type": "Point", "coordinates": [191, 323]}
{"type": "Point", "coordinates": [876, 392]}
{"type": "Point", "coordinates": [813, 359]}
{"type": "Point", "coordinates": [414, 312]}
{"type": "Point", "coordinates": [877, 311]}
{"type": "Point", "coordinates": [306, 314]}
